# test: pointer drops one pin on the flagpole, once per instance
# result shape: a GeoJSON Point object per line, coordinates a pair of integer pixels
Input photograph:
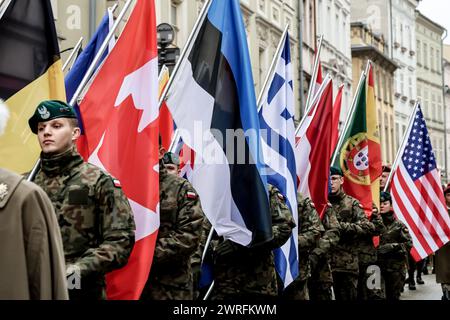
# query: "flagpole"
{"type": "Point", "coordinates": [72, 54]}
{"type": "Point", "coordinates": [4, 4]}
{"type": "Point", "coordinates": [99, 54]}
{"type": "Point", "coordinates": [89, 73]}
{"type": "Point", "coordinates": [187, 48]}
{"type": "Point", "coordinates": [313, 101]}
{"type": "Point", "coordinates": [314, 75]}
{"type": "Point", "coordinates": [272, 66]}
{"type": "Point", "coordinates": [402, 146]}
{"type": "Point", "coordinates": [349, 115]}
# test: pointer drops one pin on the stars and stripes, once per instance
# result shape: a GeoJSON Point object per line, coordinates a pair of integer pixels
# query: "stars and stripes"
{"type": "Point", "coordinates": [417, 196]}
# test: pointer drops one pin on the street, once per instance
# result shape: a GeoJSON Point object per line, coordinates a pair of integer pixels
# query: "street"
{"type": "Point", "coordinates": [428, 291]}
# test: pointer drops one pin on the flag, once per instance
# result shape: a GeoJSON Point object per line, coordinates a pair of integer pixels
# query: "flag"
{"type": "Point", "coordinates": [166, 126]}
{"type": "Point", "coordinates": [360, 154]}
{"type": "Point", "coordinates": [213, 98]}
{"type": "Point", "coordinates": [313, 150]}
{"type": "Point", "coordinates": [119, 113]}
{"type": "Point", "coordinates": [417, 196]}
{"type": "Point", "coordinates": [30, 71]}
{"type": "Point", "coordinates": [336, 115]}
{"type": "Point", "coordinates": [81, 66]}
{"type": "Point", "coordinates": [85, 59]}
{"type": "Point", "coordinates": [276, 118]}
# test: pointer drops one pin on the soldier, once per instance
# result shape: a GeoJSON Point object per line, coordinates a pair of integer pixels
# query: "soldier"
{"type": "Point", "coordinates": [321, 280]}
{"type": "Point", "coordinates": [367, 257]}
{"type": "Point", "coordinates": [172, 163]}
{"type": "Point", "coordinates": [94, 216]}
{"type": "Point", "coordinates": [384, 176]}
{"type": "Point", "coordinates": [181, 217]}
{"type": "Point", "coordinates": [242, 272]}
{"type": "Point", "coordinates": [353, 225]}
{"type": "Point", "coordinates": [395, 243]}
{"type": "Point", "coordinates": [32, 258]}
{"type": "Point", "coordinates": [309, 232]}
{"type": "Point", "coordinates": [443, 258]}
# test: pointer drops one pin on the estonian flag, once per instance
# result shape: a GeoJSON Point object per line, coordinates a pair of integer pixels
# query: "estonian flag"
{"type": "Point", "coordinates": [214, 89]}
{"type": "Point", "coordinates": [30, 71]}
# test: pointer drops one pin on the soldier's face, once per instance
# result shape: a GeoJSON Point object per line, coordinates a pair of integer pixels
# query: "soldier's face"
{"type": "Point", "coordinates": [57, 135]}
{"type": "Point", "coordinates": [172, 169]}
{"type": "Point", "coordinates": [385, 207]}
{"type": "Point", "coordinates": [447, 198]}
{"type": "Point", "coordinates": [383, 179]}
{"type": "Point", "coordinates": [336, 182]}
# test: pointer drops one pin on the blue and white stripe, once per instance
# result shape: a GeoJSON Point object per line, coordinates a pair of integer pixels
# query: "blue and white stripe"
{"type": "Point", "coordinates": [276, 116]}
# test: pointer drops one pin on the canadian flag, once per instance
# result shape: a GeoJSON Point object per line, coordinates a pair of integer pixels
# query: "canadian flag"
{"type": "Point", "coordinates": [120, 118]}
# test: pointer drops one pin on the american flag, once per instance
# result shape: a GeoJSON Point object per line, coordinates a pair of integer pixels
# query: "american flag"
{"type": "Point", "coordinates": [417, 195]}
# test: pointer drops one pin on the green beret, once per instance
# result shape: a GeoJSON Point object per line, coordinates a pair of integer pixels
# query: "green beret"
{"type": "Point", "coordinates": [385, 196]}
{"type": "Point", "coordinates": [49, 110]}
{"type": "Point", "coordinates": [336, 171]}
{"type": "Point", "coordinates": [171, 158]}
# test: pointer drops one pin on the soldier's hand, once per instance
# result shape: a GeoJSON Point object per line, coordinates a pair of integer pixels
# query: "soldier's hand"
{"type": "Point", "coordinates": [226, 248]}
{"type": "Point", "coordinates": [386, 248]}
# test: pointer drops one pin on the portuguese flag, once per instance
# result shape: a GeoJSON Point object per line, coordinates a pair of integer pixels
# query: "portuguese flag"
{"type": "Point", "coordinates": [30, 71]}
{"type": "Point", "coordinates": [359, 156]}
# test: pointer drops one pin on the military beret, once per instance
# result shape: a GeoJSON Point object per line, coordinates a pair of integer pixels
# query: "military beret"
{"type": "Point", "coordinates": [336, 171]}
{"type": "Point", "coordinates": [171, 158]}
{"type": "Point", "coordinates": [386, 168]}
{"type": "Point", "coordinates": [385, 196]}
{"type": "Point", "coordinates": [447, 189]}
{"type": "Point", "coordinates": [49, 110]}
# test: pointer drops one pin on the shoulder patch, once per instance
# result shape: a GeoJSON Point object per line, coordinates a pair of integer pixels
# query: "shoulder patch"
{"type": "Point", "coordinates": [329, 205]}
{"type": "Point", "coordinates": [312, 204]}
{"type": "Point", "coordinates": [280, 196]}
{"type": "Point", "coordinates": [360, 205]}
{"type": "Point", "coordinates": [117, 183]}
{"type": "Point", "coordinates": [191, 195]}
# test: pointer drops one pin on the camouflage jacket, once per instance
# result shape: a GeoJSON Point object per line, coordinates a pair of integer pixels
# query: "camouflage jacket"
{"type": "Point", "coordinates": [309, 231]}
{"type": "Point", "coordinates": [326, 244]}
{"type": "Point", "coordinates": [250, 272]}
{"type": "Point", "coordinates": [353, 225]}
{"type": "Point", "coordinates": [181, 218]}
{"type": "Point", "coordinates": [395, 244]}
{"type": "Point", "coordinates": [94, 216]}
{"type": "Point", "coordinates": [367, 251]}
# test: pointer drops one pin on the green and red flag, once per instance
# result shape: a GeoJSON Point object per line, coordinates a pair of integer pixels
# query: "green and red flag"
{"type": "Point", "coordinates": [359, 156]}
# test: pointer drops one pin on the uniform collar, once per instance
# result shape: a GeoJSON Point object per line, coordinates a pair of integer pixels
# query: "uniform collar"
{"type": "Point", "coordinates": [388, 217]}
{"type": "Point", "coordinates": [335, 198]}
{"type": "Point", "coordinates": [53, 165]}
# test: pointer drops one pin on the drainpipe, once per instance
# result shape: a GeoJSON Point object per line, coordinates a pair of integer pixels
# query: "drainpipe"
{"type": "Point", "coordinates": [92, 17]}
{"type": "Point", "coordinates": [300, 55]}
{"type": "Point", "coordinates": [445, 107]}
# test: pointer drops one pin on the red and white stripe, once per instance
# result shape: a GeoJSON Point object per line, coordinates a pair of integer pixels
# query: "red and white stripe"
{"type": "Point", "coordinates": [421, 206]}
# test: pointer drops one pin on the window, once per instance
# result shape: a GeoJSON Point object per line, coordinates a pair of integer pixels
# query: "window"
{"type": "Point", "coordinates": [410, 87]}
{"type": "Point", "coordinates": [441, 112]}
{"type": "Point", "coordinates": [425, 55]}
{"type": "Point", "coordinates": [378, 85]}
{"type": "Point", "coordinates": [419, 52]}
{"type": "Point", "coordinates": [401, 34]}
{"type": "Point", "coordinates": [402, 84]}
{"type": "Point", "coordinates": [173, 14]}
{"type": "Point", "coordinates": [432, 58]}
{"type": "Point", "coordinates": [433, 107]}
{"type": "Point", "coordinates": [385, 88]}
{"type": "Point", "coordinates": [438, 61]}
{"type": "Point", "coordinates": [425, 103]}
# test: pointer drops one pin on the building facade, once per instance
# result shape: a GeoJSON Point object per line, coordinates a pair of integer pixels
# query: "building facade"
{"type": "Point", "coordinates": [430, 83]}
{"type": "Point", "coordinates": [333, 22]}
{"type": "Point", "coordinates": [368, 46]}
{"type": "Point", "coordinates": [446, 70]}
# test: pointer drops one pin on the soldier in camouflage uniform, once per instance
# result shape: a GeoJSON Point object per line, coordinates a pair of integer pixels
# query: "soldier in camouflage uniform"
{"type": "Point", "coordinates": [353, 225]}
{"type": "Point", "coordinates": [309, 232]}
{"type": "Point", "coordinates": [368, 257]}
{"type": "Point", "coordinates": [395, 244]}
{"type": "Point", "coordinates": [94, 216]}
{"type": "Point", "coordinates": [242, 272]}
{"type": "Point", "coordinates": [321, 280]}
{"type": "Point", "coordinates": [181, 218]}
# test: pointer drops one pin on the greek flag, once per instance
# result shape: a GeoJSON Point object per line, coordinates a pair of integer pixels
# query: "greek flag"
{"type": "Point", "coordinates": [276, 116]}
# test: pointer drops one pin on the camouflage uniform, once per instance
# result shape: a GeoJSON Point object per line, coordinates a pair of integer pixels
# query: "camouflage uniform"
{"type": "Point", "coordinates": [395, 244]}
{"type": "Point", "coordinates": [309, 232]}
{"type": "Point", "coordinates": [250, 272]}
{"type": "Point", "coordinates": [94, 216]}
{"type": "Point", "coordinates": [344, 259]}
{"type": "Point", "coordinates": [321, 280]}
{"type": "Point", "coordinates": [181, 218]}
{"type": "Point", "coordinates": [367, 257]}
